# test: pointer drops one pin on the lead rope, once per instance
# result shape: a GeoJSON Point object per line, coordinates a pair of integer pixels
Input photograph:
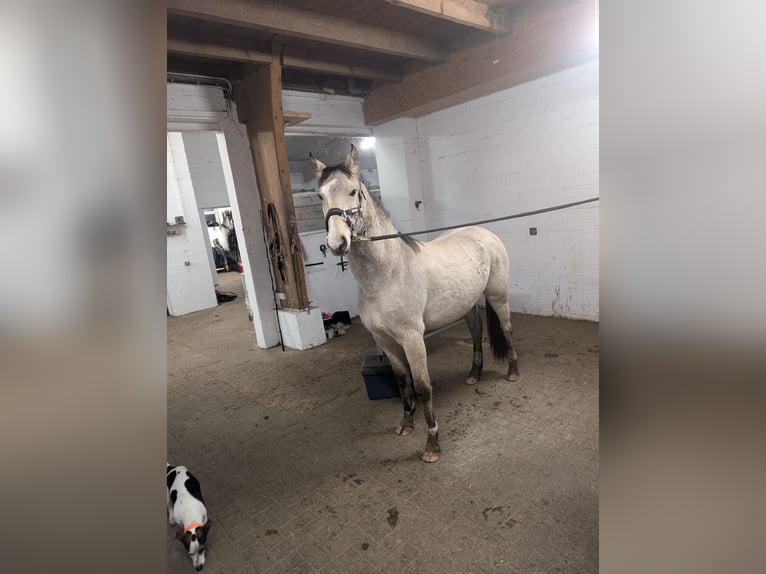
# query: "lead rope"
{"type": "Point", "coordinates": [483, 222]}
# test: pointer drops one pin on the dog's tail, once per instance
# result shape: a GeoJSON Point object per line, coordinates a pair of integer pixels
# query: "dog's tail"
{"type": "Point", "coordinates": [497, 341]}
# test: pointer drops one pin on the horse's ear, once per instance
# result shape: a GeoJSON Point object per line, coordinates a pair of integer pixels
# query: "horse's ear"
{"type": "Point", "coordinates": [352, 160]}
{"type": "Point", "coordinates": [316, 165]}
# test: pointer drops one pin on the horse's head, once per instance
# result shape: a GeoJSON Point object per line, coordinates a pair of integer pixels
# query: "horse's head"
{"type": "Point", "coordinates": [341, 192]}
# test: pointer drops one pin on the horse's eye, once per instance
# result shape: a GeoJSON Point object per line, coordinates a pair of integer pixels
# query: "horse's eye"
{"type": "Point", "coordinates": [353, 192]}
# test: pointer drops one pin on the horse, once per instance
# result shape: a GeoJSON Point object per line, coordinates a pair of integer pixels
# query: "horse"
{"type": "Point", "coordinates": [408, 287]}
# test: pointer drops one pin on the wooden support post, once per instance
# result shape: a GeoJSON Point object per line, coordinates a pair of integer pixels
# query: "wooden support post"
{"type": "Point", "coordinates": [259, 97]}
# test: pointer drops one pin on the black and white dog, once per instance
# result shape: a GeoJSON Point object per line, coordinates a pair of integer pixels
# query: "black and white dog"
{"type": "Point", "coordinates": [187, 511]}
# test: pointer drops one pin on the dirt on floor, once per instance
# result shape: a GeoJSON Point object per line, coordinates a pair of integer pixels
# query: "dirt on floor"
{"type": "Point", "coordinates": [301, 472]}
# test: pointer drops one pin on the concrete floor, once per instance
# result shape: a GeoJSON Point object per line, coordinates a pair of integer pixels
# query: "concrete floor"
{"type": "Point", "coordinates": [302, 473]}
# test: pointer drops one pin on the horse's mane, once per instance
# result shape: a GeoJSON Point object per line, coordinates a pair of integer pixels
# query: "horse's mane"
{"type": "Point", "coordinates": [331, 169]}
{"type": "Point", "coordinates": [414, 244]}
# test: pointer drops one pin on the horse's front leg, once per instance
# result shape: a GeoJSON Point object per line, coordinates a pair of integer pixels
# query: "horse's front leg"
{"type": "Point", "coordinates": [402, 372]}
{"type": "Point", "coordinates": [415, 350]}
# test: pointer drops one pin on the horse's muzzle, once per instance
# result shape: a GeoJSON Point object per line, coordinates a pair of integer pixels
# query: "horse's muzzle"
{"type": "Point", "coordinates": [339, 244]}
{"type": "Point", "coordinates": [341, 248]}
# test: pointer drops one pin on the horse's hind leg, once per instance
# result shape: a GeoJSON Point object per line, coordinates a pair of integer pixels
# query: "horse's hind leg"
{"type": "Point", "coordinates": [500, 306]}
{"type": "Point", "coordinates": [415, 349]}
{"type": "Point", "coordinates": [398, 362]}
{"type": "Point", "coordinates": [513, 359]}
{"type": "Point", "coordinates": [473, 318]}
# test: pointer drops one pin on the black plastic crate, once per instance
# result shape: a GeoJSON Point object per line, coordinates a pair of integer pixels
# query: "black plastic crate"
{"type": "Point", "coordinates": [379, 378]}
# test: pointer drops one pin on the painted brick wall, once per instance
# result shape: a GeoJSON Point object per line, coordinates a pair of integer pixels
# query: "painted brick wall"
{"type": "Point", "coordinates": [525, 148]}
{"type": "Point", "coordinates": [396, 151]}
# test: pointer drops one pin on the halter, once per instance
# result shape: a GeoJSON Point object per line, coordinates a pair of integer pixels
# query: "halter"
{"type": "Point", "coordinates": [345, 215]}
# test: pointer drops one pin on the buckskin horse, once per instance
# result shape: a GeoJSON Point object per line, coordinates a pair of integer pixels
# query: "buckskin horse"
{"type": "Point", "coordinates": [409, 287]}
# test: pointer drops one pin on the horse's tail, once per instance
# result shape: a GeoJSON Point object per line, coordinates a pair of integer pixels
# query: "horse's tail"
{"type": "Point", "coordinates": [497, 341]}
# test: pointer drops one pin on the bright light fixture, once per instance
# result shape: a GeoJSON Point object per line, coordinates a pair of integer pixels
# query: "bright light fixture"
{"type": "Point", "coordinates": [367, 143]}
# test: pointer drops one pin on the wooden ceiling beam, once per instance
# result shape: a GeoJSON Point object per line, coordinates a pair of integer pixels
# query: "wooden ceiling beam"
{"type": "Point", "coordinates": [290, 21]}
{"type": "Point", "coordinates": [292, 57]}
{"type": "Point", "coordinates": [465, 12]}
{"type": "Point", "coordinates": [545, 38]}
{"type": "Point", "coordinates": [218, 52]}
{"type": "Point", "coordinates": [302, 59]}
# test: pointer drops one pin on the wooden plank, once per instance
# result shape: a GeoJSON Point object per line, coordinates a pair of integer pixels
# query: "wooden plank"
{"type": "Point", "coordinates": [545, 38]}
{"type": "Point", "coordinates": [292, 57]}
{"type": "Point", "coordinates": [291, 21]}
{"type": "Point", "coordinates": [465, 12]}
{"type": "Point", "coordinates": [294, 118]}
{"type": "Point", "coordinates": [218, 52]}
{"type": "Point", "coordinates": [338, 112]}
{"type": "Point", "coordinates": [261, 94]}
{"type": "Point", "coordinates": [302, 59]}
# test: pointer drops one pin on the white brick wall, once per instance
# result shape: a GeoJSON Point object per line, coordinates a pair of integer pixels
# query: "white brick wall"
{"type": "Point", "coordinates": [396, 151]}
{"type": "Point", "coordinates": [528, 147]}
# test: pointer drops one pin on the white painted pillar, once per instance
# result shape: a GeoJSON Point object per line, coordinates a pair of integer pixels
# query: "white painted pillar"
{"type": "Point", "coordinates": [396, 152]}
{"type": "Point", "coordinates": [239, 174]}
{"type": "Point", "coordinates": [202, 156]}
{"type": "Point", "coordinates": [189, 283]}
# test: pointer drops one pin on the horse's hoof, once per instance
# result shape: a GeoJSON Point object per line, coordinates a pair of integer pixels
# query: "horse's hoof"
{"type": "Point", "coordinates": [403, 431]}
{"type": "Point", "coordinates": [513, 377]}
{"type": "Point", "coordinates": [471, 380]}
{"type": "Point", "coordinates": [431, 456]}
